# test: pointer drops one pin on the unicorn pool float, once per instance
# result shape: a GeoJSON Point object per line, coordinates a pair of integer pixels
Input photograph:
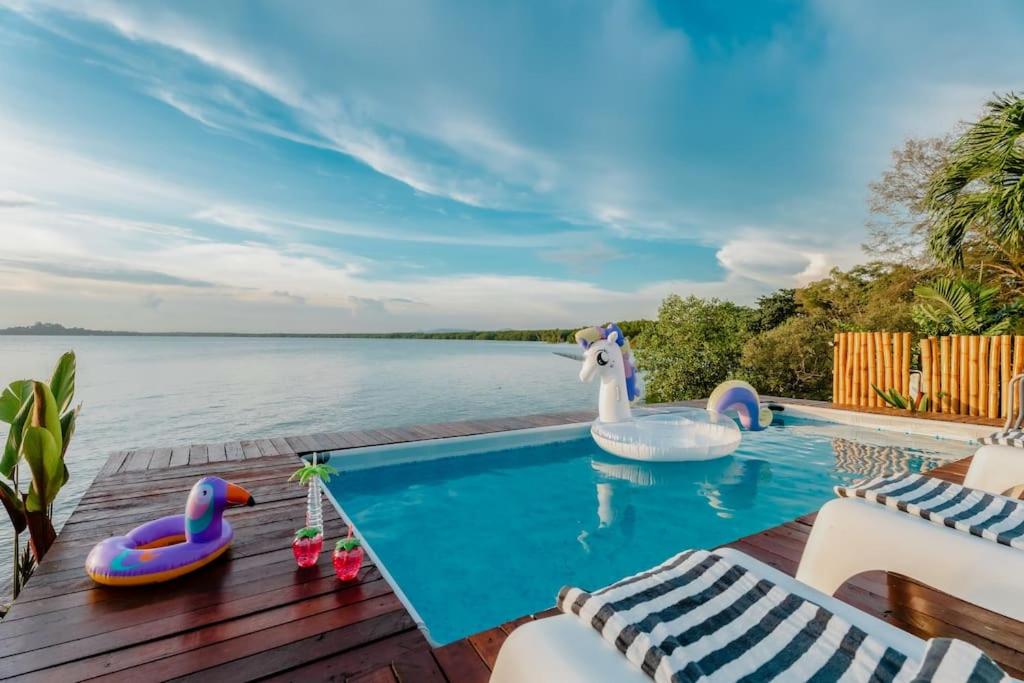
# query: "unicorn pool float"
{"type": "Point", "coordinates": [170, 547]}
{"type": "Point", "coordinates": [684, 434]}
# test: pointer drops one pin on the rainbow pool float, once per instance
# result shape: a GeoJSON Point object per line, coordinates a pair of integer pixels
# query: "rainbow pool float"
{"type": "Point", "coordinates": [170, 547]}
{"type": "Point", "coordinates": [737, 396]}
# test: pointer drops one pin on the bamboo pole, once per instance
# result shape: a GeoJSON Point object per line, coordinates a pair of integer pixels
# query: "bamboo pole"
{"type": "Point", "coordinates": [896, 347]}
{"type": "Point", "coordinates": [848, 377]}
{"type": "Point", "coordinates": [983, 347]}
{"type": "Point", "coordinates": [865, 381]}
{"type": "Point", "coordinates": [836, 363]}
{"type": "Point", "coordinates": [904, 369]}
{"type": "Point", "coordinates": [926, 367]}
{"type": "Point", "coordinates": [994, 345]}
{"type": "Point", "coordinates": [855, 384]}
{"type": "Point", "coordinates": [1005, 368]}
{"type": "Point", "coordinates": [954, 374]}
{"type": "Point", "coordinates": [872, 373]}
{"type": "Point", "coordinates": [936, 373]}
{"type": "Point", "coordinates": [1018, 367]}
{"type": "Point", "coordinates": [888, 382]}
{"type": "Point", "coordinates": [944, 353]}
{"type": "Point", "coordinates": [972, 374]}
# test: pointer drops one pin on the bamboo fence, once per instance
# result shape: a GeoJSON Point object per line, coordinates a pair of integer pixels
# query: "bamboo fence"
{"type": "Point", "coordinates": [961, 374]}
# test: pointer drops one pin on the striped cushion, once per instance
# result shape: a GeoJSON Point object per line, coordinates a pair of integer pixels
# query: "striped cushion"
{"type": "Point", "coordinates": [1013, 437]}
{"type": "Point", "coordinates": [701, 617]}
{"type": "Point", "coordinates": [996, 518]}
{"type": "Point", "coordinates": [954, 660]}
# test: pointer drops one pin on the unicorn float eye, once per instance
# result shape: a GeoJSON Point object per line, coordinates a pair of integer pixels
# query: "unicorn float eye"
{"type": "Point", "coordinates": [602, 358]}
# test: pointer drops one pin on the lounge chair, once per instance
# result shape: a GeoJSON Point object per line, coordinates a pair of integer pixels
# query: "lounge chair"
{"type": "Point", "coordinates": [967, 541]}
{"type": "Point", "coordinates": [723, 616]}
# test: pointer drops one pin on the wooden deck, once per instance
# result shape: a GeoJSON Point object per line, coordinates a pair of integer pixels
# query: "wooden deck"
{"type": "Point", "coordinates": [258, 617]}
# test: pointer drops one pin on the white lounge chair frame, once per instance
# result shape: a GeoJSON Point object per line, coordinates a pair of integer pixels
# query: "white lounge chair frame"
{"type": "Point", "coordinates": [560, 649]}
{"type": "Point", "coordinates": [851, 536]}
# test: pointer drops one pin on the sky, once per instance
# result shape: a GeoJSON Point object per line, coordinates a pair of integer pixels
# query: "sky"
{"type": "Point", "coordinates": [384, 166]}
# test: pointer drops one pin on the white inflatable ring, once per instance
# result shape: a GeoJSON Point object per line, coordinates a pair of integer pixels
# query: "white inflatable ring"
{"type": "Point", "coordinates": [692, 434]}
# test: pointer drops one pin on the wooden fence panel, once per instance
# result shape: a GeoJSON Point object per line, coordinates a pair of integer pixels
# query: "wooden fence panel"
{"type": "Point", "coordinates": [961, 374]}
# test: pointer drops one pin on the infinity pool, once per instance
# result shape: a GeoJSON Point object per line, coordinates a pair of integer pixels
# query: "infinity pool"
{"type": "Point", "coordinates": [478, 539]}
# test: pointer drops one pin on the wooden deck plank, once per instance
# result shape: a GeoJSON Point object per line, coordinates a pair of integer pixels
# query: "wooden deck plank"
{"type": "Point", "coordinates": [254, 615]}
{"type": "Point", "coordinates": [179, 456]}
{"type": "Point", "coordinates": [216, 452]}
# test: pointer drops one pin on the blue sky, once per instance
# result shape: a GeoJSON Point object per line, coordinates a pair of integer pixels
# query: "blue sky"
{"type": "Point", "coordinates": [414, 165]}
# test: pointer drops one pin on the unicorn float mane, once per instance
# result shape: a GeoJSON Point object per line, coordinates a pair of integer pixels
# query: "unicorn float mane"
{"type": "Point", "coordinates": [589, 335]}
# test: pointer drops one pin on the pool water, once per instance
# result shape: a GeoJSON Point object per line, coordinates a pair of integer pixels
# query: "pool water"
{"type": "Point", "coordinates": [477, 540]}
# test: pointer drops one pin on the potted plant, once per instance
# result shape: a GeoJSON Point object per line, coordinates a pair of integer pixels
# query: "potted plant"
{"type": "Point", "coordinates": [348, 557]}
{"type": "Point", "coordinates": [309, 540]}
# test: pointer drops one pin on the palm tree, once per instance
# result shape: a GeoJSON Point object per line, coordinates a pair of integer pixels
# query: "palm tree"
{"type": "Point", "coordinates": [978, 194]}
{"type": "Point", "coordinates": [961, 307]}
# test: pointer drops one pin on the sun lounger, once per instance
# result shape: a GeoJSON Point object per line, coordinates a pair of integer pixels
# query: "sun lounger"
{"type": "Point", "coordinates": [723, 616]}
{"type": "Point", "coordinates": [1012, 433]}
{"type": "Point", "coordinates": [961, 540]}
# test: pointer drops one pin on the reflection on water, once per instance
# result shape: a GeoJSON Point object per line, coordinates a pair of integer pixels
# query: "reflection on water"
{"type": "Point", "coordinates": [872, 460]}
{"type": "Point", "coordinates": [726, 484]}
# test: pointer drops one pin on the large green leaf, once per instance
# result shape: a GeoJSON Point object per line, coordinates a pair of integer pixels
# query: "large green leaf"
{"type": "Point", "coordinates": [14, 506]}
{"type": "Point", "coordinates": [12, 447]}
{"type": "Point", "coordinates": [44, 412]}
{"type": "Point", "coordinates": [62, 384]}
{"type": "Point", "coordinates": [42, 454]}
{"type": "Point", "coordinates": [13, 397]}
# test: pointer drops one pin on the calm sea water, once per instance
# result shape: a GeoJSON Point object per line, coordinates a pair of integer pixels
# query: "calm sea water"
{"type": "Point", "coordinates": [479, 540]}
{"type": "Point", "coordinates": [164, 391]}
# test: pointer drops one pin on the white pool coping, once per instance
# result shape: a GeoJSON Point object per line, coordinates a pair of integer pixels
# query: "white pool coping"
{"type": "Point", "coordinates": [954, 431]}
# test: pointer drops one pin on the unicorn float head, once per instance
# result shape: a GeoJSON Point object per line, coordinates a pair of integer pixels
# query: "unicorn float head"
{"type": "Point", "coordinates": [606, 354]}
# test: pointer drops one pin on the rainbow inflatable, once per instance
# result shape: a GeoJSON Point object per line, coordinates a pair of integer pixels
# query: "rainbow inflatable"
{"type": "Point", "coordinates": [737, 396]}
{"type": "Point", "coordinates": [170, 547]}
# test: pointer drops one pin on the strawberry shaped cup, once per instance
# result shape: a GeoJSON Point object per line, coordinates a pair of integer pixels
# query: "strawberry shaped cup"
{"type": "Point", "coordinates": [348, 557]}
{"type": "Point", "coordinates": [307, 546]}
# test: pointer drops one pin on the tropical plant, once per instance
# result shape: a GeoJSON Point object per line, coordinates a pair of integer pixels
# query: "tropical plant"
{"type": "Point", "coordinates": [950, 306]}
{"type": "Point", "coordinates": [894, 398]}
{"type": "Point", "coordinates": [42, 423]}
{"type": "Point", "coordinates": [313, 474]}
{"type": "Point", "coordinates": [978, 194]}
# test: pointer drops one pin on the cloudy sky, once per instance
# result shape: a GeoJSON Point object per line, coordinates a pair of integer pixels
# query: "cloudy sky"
{"type": "Point", "coordinates": [414, 165]}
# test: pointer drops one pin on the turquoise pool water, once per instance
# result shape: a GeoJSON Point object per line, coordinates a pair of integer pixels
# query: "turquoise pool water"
{"type": "Point", "coordinates": [477, 540]}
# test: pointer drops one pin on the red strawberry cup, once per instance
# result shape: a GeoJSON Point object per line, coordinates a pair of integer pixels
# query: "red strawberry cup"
{"type": "Point", "coordinates": [307, 546]}
{"type": "Point", "coordinates": [348, 557]}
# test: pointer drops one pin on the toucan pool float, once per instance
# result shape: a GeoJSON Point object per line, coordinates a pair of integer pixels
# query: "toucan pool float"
{"type": "Point", "coordinates": [684, 434]}
{"type": "Point", "coordinates": [170, 547]}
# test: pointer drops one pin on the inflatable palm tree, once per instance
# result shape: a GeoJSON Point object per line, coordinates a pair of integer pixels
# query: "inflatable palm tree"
{"type": "Point", "coordinates": [314, 474]}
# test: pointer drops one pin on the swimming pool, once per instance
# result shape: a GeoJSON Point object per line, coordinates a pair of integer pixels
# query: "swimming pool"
{"type": "Point", "coordinates": [481, 538]}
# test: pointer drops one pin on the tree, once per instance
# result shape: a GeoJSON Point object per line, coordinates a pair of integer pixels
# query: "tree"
{"type": "Point", "coordinates": [900, 222]}
{"type": "Point", "coordinates": [962, 307]}
{"type": "Point", "coordinates": [775, 308]}
{"type": "Point", "coordinates": [975, 201]}
{"type": "Point", "coordinates": [693, 346]}
{"type": "Point", "coordinates": [793, 359]}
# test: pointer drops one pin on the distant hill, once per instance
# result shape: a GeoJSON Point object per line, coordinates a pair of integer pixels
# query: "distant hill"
{"type": "Point", "coordinates": [552, 335]}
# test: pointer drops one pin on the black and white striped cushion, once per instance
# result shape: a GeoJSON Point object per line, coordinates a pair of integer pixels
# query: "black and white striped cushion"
{"type": "Point", "coordinates": [954, 660]}
{"type": "Point", "coordinates": [1013, 437]}
{"type": "Point", "coordinates": [986, 515]}
{"type": "Point", "coordinates": [701, 617]}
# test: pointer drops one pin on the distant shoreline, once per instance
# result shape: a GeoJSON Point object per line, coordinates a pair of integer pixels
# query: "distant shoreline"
{"type": "Point", "coordinates": [548, 335]}
{"type": "Point", "coordinates": [554, 336]}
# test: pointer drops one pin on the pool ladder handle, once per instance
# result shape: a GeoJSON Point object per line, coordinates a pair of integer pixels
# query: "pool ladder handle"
{"type": "Point", "coordinates": [1014, 421]}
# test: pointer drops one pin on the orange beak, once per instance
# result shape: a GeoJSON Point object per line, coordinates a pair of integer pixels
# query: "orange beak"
{"type": "Point", "coordinates": [239, 496]}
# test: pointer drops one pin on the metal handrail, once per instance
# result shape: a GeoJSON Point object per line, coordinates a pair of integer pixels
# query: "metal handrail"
{"type": "Point", "coordinates": [1014, 421]}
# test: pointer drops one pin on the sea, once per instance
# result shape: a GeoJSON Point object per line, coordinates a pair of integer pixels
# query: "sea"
{"type": "Point", "coordinates": [156, 391]}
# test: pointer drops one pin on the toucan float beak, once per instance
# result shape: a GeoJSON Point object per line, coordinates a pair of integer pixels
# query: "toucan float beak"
{"type": "Point", "coordinates": [239, 496]}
